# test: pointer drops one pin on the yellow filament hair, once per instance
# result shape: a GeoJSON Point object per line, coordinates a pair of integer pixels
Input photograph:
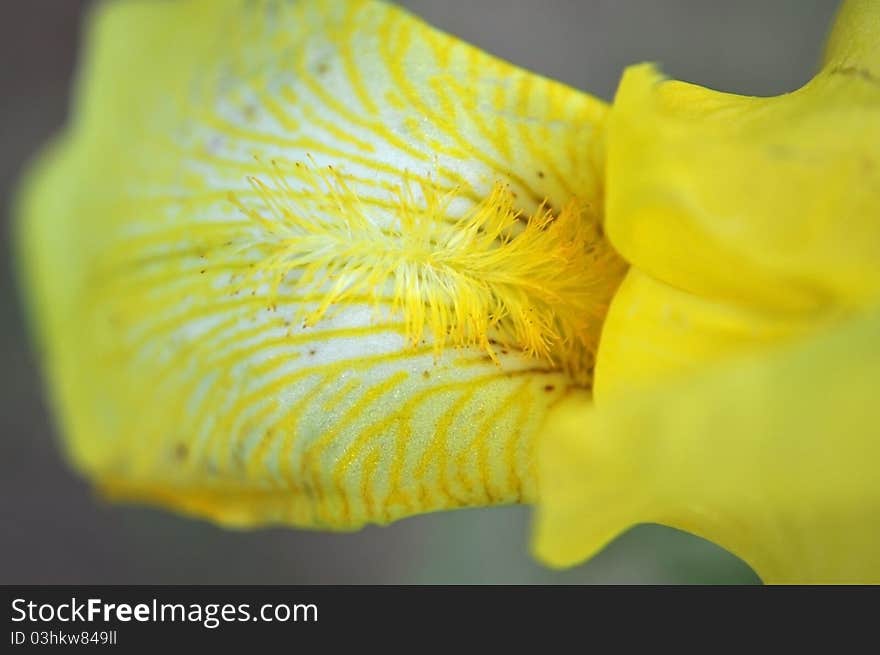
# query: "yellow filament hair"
{"type": "Point", "coordinates": [540, 283]}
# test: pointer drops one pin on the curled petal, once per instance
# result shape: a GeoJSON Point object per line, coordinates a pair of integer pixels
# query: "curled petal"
{"type": "Point", "coordinates": [773, 457]}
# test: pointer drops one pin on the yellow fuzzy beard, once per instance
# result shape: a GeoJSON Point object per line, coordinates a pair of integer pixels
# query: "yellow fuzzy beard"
{"type": "Point", "coordinates": [492, 279]}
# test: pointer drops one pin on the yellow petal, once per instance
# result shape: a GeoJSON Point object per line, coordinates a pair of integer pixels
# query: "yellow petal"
{"type": "Point", "coordinates": [654, 331]}
{"type": "Point", "coordinates": [773, 457]}
{"type": "Point", "coordinates": [281, 268]}
{"type": "Point", "coordinates": [769, 201]}
{"type": "Point", "coordinates": [757, 207]}
{"type": "Point", "coordinates": [855, 40]}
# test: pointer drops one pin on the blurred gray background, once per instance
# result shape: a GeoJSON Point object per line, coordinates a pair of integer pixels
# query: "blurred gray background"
{"type": "Point", "coordinates": [52, 530]}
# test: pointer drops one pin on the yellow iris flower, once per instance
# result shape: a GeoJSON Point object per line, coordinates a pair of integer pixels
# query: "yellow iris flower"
{"type": "Point", "coordinates": [738, 368]}
{"type": "Point", "coordinates": [316, 263]}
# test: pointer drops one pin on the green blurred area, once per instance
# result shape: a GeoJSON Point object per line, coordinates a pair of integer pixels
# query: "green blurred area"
{"type": "Point", "coordinates": [56, 531]}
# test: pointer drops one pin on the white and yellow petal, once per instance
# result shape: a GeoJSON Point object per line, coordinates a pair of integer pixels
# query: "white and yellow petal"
{"type": "Point", "coordinates": [312, 262]}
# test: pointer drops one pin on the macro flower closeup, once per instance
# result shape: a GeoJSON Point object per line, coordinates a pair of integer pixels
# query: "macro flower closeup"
{"type": "Point", "coordinates": [315, 263]}
{"type": "Point", "coordinates": [738, 363]}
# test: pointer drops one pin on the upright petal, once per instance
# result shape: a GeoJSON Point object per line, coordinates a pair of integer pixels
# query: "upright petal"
{"type": "Point", "coordinates": [855, 39]}
{"type": "Point", "coordinates": [765, 206]}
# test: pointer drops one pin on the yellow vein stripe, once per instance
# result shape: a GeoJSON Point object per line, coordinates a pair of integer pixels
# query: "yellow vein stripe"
{"type": "Point", "coordinates": [436, 452]}
{"type": "Point", "coordinates": [310, 466]}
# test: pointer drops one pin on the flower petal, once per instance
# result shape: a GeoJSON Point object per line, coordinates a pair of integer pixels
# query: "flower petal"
{"type": "Point", "coordinates": [855, 39]}
{"type": "Point", "coordinates": [246, 253]}
{"type": "Point", "coordinates": [748, 206]}
{"type": "Point", "coordinates": [654, 331]}
{"type": "Point", "coordinates": [773, 457]}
